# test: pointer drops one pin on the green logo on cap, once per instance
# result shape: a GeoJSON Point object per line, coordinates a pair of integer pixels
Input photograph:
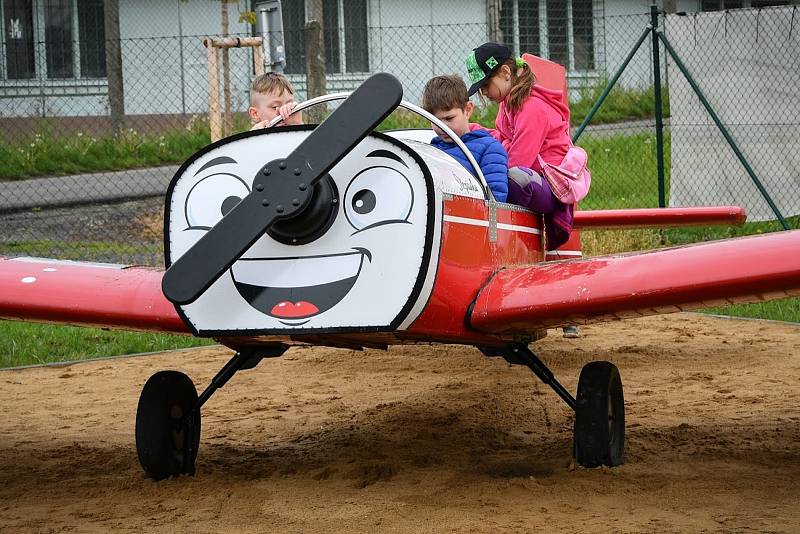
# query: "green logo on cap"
{"type": "Point", "coordinates": [474, 71]}
{"type": "Point", "coordinates": [491, 62]}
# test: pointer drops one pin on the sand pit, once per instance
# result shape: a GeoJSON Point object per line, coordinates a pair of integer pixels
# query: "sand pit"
{"type": "Point", "coordinates": [423, 439]}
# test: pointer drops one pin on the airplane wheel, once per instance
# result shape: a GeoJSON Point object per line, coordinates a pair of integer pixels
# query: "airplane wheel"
{"type": "Point", "coordinates": [166, 441]}
{"type": "Point", "coordinates": [599, 416]}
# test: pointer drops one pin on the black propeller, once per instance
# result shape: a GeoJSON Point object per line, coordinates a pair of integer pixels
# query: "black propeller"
{"type": "Point", "coordinates": [282, 188]}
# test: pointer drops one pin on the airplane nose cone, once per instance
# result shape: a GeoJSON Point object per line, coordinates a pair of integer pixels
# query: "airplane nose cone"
{"type": "Point", "coordinates": [312, 222]}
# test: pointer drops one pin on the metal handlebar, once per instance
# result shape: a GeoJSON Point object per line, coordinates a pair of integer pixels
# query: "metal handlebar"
{"type": "Point", "coordinates": [411, 107]}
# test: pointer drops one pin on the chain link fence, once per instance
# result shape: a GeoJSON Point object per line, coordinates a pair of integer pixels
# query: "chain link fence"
{"type": "Point", "coordinates": [82, 176]}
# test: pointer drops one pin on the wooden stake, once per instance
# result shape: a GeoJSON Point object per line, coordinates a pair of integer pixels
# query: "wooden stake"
{"type": "Point", "coordinates": [214, 118]}
{"type": "Point", "coordinates": [212, 45]}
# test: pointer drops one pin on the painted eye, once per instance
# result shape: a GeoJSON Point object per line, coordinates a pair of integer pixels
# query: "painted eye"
{"type": "Point", "coordinates": [212, 198]}
{"type": "Point", "coordinates": [378, 195]}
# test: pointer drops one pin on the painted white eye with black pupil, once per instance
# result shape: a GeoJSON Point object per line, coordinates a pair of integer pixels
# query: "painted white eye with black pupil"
{"type": "Point", "coordinates": [212, 198]}
{"type": "Point", "coordinates": [364, 201]}
{"type": "Point", "coordinates": [376, 196]}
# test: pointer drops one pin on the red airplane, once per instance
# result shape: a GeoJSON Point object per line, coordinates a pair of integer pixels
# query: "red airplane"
{"type": "Point", "coordinates": [353, 238]}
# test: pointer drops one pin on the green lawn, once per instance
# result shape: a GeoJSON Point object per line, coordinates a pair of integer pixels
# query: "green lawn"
{"type": "Point", "coordinates": [780, 310]}
{"type": "Point", "coordinates": [34, 343]}
{"type": "Point", "coordinates": [46, 154]}
{"type": "Point", "coordinates": [50, 152]}
{"type": "Point", "coordinates": [103, 251]}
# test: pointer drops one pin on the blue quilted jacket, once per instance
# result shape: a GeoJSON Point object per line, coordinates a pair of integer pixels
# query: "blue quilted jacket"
{"type": "Point", "coordinates": [490, 155]}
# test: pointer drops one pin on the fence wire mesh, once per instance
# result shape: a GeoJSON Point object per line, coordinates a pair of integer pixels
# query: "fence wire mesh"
{"type": "Point", "coordinates": [83, 177]}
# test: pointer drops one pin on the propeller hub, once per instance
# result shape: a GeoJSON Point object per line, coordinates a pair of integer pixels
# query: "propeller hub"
{"type": "Point", "coordinates": [313, 221]}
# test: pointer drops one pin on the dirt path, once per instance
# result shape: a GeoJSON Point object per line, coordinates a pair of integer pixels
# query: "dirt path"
{"type": "Point", "coordinates": [423, 439]}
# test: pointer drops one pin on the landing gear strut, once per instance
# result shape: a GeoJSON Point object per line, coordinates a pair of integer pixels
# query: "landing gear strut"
{"type": "Point", "coordinates": [168, 415]}
{"type": "Point", "coordinates": [599, 431]}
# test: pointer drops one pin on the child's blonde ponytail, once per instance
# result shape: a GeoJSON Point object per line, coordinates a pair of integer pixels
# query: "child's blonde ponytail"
{"type": "Point", "coordinates": [521, 84]}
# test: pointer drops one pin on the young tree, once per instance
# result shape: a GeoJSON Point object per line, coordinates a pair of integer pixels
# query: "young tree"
{"type": "Point", "coordinates": [116, 94]}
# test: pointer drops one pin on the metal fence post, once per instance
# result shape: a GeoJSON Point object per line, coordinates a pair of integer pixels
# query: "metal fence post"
{"type": "Point", "coordinates": [662, 202]}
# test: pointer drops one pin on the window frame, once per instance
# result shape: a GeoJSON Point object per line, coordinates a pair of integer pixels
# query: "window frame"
{"type": "Point", "coordinates": [544, 35]}
{"type": "Point", "coordinates": [40, 51]}
{"type": "Point", "coordinates": [342, 39]}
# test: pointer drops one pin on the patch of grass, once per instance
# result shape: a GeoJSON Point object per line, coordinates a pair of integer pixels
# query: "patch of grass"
{"type": "Point", "coordinates": [50, 153]}
{"type": "Point", "coordinates": [681, 236]}
{"type": "Point", "coordinates": [80, 250]}
{"type": "Point", "coordinates": [32, 343]}
{"type": "Point", "coordinates": [624, 171]}
{"type": "Point", "coordinates": [621, 104]}
{"type": "Point", "coordinates": [779, 310]}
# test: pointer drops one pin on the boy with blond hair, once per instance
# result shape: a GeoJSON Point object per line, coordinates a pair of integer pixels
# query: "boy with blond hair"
{"type": "Point", "coordinates": [271, 94]}
{"type": "Point", "coordinates": [446, 98]}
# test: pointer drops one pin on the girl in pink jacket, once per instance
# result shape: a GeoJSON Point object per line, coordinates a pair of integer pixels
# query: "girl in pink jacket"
{"type": "Point", "coordinates": [533, 125]}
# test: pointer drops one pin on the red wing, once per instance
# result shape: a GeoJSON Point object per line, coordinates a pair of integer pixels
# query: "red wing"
{"type": "Point", "coordinates": [746, 269]}
{"type": "Point", "coordinates": [659, 217]}
{"type": "Point", "coordinates": [86, 294]}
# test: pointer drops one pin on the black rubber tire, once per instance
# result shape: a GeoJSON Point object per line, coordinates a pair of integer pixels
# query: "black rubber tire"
{"type": "Point", "coordinates": [599, 416]}
{"type": "Point", "coordinates": [166, 442]}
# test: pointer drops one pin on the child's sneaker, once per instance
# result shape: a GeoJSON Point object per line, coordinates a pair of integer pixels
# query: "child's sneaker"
{"type": "Point", "coordinates": [571, 332]}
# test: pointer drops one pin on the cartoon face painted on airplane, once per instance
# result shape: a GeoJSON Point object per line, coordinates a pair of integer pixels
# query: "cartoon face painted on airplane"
{"type": "Point", "coordinates": [362, 272]}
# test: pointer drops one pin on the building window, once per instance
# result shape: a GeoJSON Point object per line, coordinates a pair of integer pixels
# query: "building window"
{"type": "Point", "coordinates": [356, 51]}
{"type": "Point", "coordinates": [559, 30]}
{"type": "Point", "coordinates": [71, 31]}
{"type": "Point", "coordinates": [582, 35]}
{"type": "Point", "coordinates": [18, 29]}
{"type": "Point", "coordinates": [92, 31]}
{"type": "Point", "coordinates": [344, 33]}
{"type": "Point", "coordinates": [58, 38]}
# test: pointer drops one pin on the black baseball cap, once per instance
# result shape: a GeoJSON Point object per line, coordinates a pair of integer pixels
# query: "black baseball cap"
{"type": "Point", "coordinates": [483, 62]}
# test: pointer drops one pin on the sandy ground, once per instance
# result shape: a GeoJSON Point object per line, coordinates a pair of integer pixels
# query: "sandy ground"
{"type": "Point", "coordinates": [423, 439]}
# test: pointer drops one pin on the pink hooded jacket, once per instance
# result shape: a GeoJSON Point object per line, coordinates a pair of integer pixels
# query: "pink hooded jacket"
{"type": "Point", "coordinates": [539, 127]}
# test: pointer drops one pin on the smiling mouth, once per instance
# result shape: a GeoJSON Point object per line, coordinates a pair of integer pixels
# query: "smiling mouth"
{"type": "Point", "coordinates": [292, 289]}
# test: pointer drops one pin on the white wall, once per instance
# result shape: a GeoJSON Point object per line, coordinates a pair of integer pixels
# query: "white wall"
{"type": "Point", "coordinates": [410, 48]}
{"type": "Point", "coordinates": [157, 78]}
{"type": "Point", "coordinates": [624, 23]}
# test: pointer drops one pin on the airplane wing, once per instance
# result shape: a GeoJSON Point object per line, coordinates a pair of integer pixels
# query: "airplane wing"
{"type": "Point", "coordinates": [659, 217]}
{"type": "Point", "coordinates": [745, 269]}
{"type": "Point", "coordinates": [86, 294]}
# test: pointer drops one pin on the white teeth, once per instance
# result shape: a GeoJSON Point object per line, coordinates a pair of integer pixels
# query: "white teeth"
{"type": "Point", "coordinates": [297, 272]}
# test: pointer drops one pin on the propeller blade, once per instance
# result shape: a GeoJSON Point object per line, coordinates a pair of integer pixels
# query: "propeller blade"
{"type": "Point", "coordinates": [282, 188]}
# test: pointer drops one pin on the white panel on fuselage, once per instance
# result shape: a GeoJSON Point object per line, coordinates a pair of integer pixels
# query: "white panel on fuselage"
{"type": "Point", "coordinates": [362, 273]}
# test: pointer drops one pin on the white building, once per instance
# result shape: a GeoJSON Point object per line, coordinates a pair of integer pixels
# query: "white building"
{"type": "Point", "coordinates": [52, 53]}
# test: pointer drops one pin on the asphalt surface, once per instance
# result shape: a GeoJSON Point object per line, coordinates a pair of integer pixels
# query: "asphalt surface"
{"type": "Point", "coordinates": [58, 191]}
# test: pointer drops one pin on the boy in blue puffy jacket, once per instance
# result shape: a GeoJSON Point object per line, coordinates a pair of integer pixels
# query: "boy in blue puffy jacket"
{"type": "Point", "coordinates": [446, 98]}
